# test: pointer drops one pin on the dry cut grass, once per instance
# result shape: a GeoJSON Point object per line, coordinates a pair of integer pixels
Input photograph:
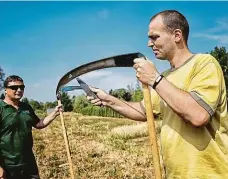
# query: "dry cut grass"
{"type": "Point", "coordinates": [101, 147]}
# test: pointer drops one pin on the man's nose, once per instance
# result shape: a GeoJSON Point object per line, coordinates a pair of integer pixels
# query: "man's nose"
{"type": "Point", "coordinates": [150, 43]}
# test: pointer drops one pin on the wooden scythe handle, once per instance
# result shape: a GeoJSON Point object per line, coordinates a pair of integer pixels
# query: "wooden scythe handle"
{"type": "Point", "coordinates": [66, 143]}
{"type": "Point", "coordinates": [152, 132]}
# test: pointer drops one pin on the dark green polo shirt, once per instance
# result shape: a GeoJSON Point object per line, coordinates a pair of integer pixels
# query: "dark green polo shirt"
{"type": "Point", "coordinates": [16, 140]}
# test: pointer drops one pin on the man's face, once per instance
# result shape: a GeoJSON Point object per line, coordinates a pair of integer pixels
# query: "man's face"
{"type": "Point", "coordinates": [15, 90]}
{"type": "Point", "coordinates": [160, 40]}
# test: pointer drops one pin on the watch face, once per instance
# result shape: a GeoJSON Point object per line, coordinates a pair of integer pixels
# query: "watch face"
{"type": "Point", "coordinates": [158, 78]}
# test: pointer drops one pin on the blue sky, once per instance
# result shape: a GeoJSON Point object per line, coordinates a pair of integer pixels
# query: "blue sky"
{"type": "Point", "coordinates": [41, 41]}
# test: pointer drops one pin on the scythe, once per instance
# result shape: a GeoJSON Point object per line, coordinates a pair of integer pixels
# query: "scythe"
{"type": "Point", "coordinates": [125, 60]}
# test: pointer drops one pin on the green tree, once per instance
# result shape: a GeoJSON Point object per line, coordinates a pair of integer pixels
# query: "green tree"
{"type": "Point", "coordinates": [222, 56]}
{"type": "Point", "coordinates": [130, 89]}
{"type": "Point", "coordinates": [2, 75]}
{"type": "Point", "coordinates": [48, 105]}
{"type": "Point", "coordinates": [80, 102]}
{"type": "Point", "coordinates": [25, 100]}
{"type": "Point", "coordinates": [138, 93]}
{"type": "Point", "coordinates": [36, 105]}
{"type": "Point", "coordinates": [2, 96]}
{"type": "Point", "coordinates": [67, 102]}
{"type": "Point", "coordinates": [121, 94]}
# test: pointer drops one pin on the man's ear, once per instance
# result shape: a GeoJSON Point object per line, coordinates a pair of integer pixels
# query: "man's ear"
{"type": "Point", "coordinates": [178, 35]}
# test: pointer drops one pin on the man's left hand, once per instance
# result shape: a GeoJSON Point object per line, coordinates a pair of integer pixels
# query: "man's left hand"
{"type": "Point", "coordinates": [57, 110]}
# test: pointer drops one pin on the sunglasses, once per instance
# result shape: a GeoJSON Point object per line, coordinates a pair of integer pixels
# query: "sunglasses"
{"type": "Point", "coordinates": [16, 87]}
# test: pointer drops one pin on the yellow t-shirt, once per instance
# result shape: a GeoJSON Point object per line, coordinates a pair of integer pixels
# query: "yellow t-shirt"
{"type": "Point", "coordinates": [196, 152]}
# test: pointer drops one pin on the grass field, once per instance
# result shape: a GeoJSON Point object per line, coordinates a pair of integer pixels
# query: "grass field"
{"type": "Point", "coordinates": [100, 148]}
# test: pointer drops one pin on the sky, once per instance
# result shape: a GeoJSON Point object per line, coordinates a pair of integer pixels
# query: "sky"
{"type": "Point", "coordinates": [41, 41]}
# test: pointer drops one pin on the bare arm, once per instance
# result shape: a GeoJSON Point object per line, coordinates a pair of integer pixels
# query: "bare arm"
{"type": "Point", "coordinates": [132, 110]}
{"type": "Point", "coordinates": [182, 103]}
{"type": "Point", "coordinates": [2, 173]}
{"type": "Point", "coordinates": [47, 120]}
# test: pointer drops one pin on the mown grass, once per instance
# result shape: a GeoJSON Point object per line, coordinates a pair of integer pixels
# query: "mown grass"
{"type": "Point", "coordinates": [100, 148]}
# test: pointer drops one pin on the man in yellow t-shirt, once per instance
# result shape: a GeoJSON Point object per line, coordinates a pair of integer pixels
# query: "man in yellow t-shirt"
{"type": "Point", "coordinates": [191, 97]}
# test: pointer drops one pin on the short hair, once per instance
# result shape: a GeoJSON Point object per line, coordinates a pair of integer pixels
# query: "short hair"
{"type": "Point", "coordinates": [12, 78]}
{"type": "Point", "coordinates": [173, 19]}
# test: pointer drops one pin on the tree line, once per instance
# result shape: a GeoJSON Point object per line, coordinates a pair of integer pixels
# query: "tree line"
{"type": "Point", "coordinates": [80, 104]}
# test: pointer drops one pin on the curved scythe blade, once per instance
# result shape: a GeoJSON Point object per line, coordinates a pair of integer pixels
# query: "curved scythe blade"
{"type": "Point", "coordinates": [125, 60]}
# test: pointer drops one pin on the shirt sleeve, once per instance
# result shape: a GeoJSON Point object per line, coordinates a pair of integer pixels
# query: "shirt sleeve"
{"type": "Point", "coordinates": [205, 86]}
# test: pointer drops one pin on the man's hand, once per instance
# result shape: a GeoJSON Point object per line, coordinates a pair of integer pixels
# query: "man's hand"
{"type": "Point", "coordinates": [47, 120]}
{"type": "Point", "coordinates": [2, 173]}
{"type": "Point", "coordinates": [146, 72]}
{"type": "Point", "coordinates": [102, 97]}
{"type": "Point", "coordinates": [57, 110]}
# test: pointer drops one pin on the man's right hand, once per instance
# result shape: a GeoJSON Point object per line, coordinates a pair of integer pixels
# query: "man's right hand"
{"type": "Point", "coordinates": [2, 173]}
{"type": "Point", "coordinates": [102, 97]}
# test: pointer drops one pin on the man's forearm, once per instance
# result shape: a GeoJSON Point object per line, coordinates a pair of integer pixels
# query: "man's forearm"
{"type": "Point", "coordinates": [132, 110]}
{"type": "Point", "coordinates": [45, 122]}
{"type": "Point", "coordinates": [182, 103]}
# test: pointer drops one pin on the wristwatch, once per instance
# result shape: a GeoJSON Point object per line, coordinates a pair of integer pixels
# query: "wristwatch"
{"type": "Point", "coordinates": [157, 81]}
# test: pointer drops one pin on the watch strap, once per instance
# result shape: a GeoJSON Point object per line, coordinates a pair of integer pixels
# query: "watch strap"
{"type": "Point", "coordinates": [157, 81]}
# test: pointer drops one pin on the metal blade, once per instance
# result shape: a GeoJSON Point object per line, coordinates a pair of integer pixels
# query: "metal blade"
{"type": "Point", "coordinates": [69, 88]}
{"type": "Point", "coordinates": [86, 88]}
{"type": "Point", "coordinates": [125, 60]}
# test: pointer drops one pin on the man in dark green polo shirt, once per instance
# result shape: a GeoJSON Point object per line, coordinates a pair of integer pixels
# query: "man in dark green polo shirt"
{"type": "Point", "coordinates": [17, 160]}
